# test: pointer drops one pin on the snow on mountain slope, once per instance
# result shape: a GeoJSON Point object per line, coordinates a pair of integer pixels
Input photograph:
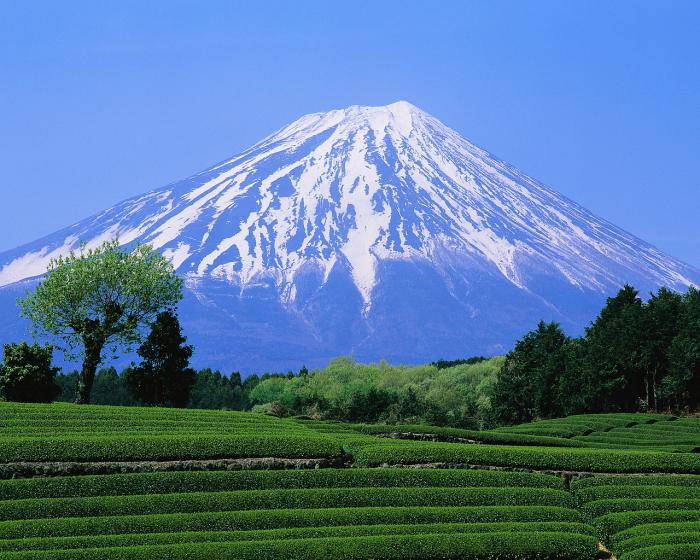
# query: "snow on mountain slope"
{"type": "Point", "coordinates": [358, 193]}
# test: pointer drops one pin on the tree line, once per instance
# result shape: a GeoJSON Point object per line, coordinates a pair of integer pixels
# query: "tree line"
{"type": "Point", "coordinates": [636, 355]}
{"type": "Point", "coordinates": [349, 391]}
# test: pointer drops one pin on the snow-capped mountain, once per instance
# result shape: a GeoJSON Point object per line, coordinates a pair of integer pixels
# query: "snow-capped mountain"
{"type": "Point", "coordinates": [376, 231]}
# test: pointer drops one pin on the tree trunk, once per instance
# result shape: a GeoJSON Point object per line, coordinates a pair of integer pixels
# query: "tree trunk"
{"type": "Point", "coordinates": [93, 351]}
{"type": "Point", "coordinates": [646, 384]}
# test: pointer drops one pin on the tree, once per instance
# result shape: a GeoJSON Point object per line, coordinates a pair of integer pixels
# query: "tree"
{"type": "Point", "coordinates": [577, 387]}
{"type": "Point", "coordinates": [527, 382]}
{"type": "Point", "coordinates": [111, 388]}
{"type": "Point", "coordinates": [101, 298]}
{"type": "Point", "coordinates": [662, 321]}
{"type": "Point", "coordinates": [367, 405]}
{"type": "Point", "coordinates": [27, 374]}
{"type": "Point", "coordinates": [164, 377]}
{"type": "Point", "coordinates": [614, 352]}
{"type": "Point", "coordinates": [68, 385]}
{"type": "Point", "coordinates": [216, 391]}
{"type": "Point", "coordinates": [681, 387]}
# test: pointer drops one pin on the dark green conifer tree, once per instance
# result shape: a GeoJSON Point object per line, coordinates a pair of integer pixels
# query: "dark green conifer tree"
{"type": "Point", "coordinates": [681, 387]}
{"type": "Point", "coordinates": [661, 325]}
{"type": "Point", "coordinates": [527, 382]}
{"type": "Point", "coordinates": [164, 377]}
{"type": "Point", "coordinates": [614, 348]}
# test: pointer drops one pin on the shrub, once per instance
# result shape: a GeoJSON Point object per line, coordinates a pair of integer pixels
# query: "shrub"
{"type": "Point", "coordinates": [115, 448]}
{"type": "Point", "coordinates": [58, 543]}
{"type": "Point", "coordinates": [166, 482]}
{"type": "Point", "coordinates": [635, 480]}
{"type": "Point", "coordinates": [612, 523]}
{"type": "Point", "coordinates": [494, 437]}
{"type": "Point", "coordinates": [573, 459]}
{"type": "Point", "coordinates": [513, 546]}
{"type": "Point", "coordinates": [279, 518]}
{"type": "Point", "coordinates": [656, 529]}
{"type": "Point", "coordinates": [274, 499]}
{"type": "Point", "coordinates": [629, 491]}
{"type": "Point", "coordinates": [603, 507]}
{"type": "Point", "coordinates": [639, 442]}
{"type": "Point", "coordinates": [665, 552]}
{"type": "Point", "coordinates": [656, 540]}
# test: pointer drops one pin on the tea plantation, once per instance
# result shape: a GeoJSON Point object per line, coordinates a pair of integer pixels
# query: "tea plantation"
{"type": "Point", "coordinates": [99, 482]}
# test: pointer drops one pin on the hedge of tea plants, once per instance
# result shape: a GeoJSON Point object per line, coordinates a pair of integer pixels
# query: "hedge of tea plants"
{"type": "Point", "coordinates": [639, 516]}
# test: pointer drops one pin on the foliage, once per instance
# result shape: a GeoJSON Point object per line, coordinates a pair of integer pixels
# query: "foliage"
{"type": "Point", "coordinates": [100, 298]}
{"type": "Point", "coordinates": [350, 391]}
{"type": "Point", "coordinates": [527, 381]}
{"type": "Point", "coordinates": [634, 356]}
{"type": "Point", "coordinates": [555, 458]}
{"type": "Point", "coordinates": [63, 432]}
{"type": "Point", "coordinates": [638, 514]}
{"type": "Point", "coordinates": [443, 364]}
{"type": "Point", "coordinates": [165, 447]}
{"type": "Point", "coordinates": [110, 388]}
{"type": "Point", "coordinates": [681, 387]}
{"type": "Point", "coordinates": [164, 377]}
{"type": "Point", "coordinates": [663, 547]}
{"type": "Point", "coordinates": [276, 498]}
{"type": "Point", "coordinates": [280, 518]}
{"type": "Point", "coordinates": [442, 433]}
{"type": "Point", "coordinates": [57, 543]}
{"type": "Point", "coordinates": [213, 390]}
{"type": "Point", "coordinates": [27, 375]}
{"type": "Point", "coordinates": [514, 546]}
{"type": "Point", "coordinates": [198, 481]}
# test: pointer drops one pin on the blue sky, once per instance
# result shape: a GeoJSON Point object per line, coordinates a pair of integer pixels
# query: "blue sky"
{"type": "Point", "coordinates": [600, 100]}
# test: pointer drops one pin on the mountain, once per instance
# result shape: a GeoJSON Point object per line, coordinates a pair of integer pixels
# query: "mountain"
{"type": "Point", "coordinates": [372, 231]}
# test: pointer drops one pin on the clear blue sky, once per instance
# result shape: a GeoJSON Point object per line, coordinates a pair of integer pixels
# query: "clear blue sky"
{"type": "Point", "coordinates": [600, 100]}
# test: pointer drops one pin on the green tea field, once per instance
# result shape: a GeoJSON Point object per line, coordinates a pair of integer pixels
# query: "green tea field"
{"type": "Point", "coordinates": [99, 482]}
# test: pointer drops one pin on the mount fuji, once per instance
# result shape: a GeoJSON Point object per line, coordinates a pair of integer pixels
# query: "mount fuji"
{"type": "Point", "coordinates": [372, 231]}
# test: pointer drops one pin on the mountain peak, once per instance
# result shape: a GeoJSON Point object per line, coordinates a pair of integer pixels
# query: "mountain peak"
{"type": "Point", "coordinates": [357, 192]}
{"type": "Point", "coordinates": [398, 109]}
{"type": "Point", "coordinates": [400, 117]}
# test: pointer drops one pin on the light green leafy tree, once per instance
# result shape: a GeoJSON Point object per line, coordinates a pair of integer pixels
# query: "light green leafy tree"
{"type": "Point", "coordinates": [101, 299]}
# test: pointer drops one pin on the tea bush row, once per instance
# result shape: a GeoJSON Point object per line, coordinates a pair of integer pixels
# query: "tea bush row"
{"type": "Point", "coordinates": [281, 518]}
{"type": "Point", "coordinates": [649, 529]}
{"type": "Point", "coordinates": [279, 498]}
{"type": "Point", "coordinates": [512, 546]}
{"type": "Point", "coordinates": [655, 540]}
{"type": "Point", "coordinates": [612, 523]}
{"type": "Point", "coordinates": [665, 552]}
{"type": "Point", "coordinates": [598, 508]}
{"type": "Point", "coordinates": [494, 437]}
{"type": "Point", "coordinates": [200, 481]}
{"type": "Point", "coordinates": [58, 543]}
{"type": "Point", "coordinates": [637, 492]}
{"type": "Point", "coordinates": [635, 480]}
{"type": "Point", "coordinates": [569, 459]}
{"type": "Point", "coordinates": [167, 447]}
